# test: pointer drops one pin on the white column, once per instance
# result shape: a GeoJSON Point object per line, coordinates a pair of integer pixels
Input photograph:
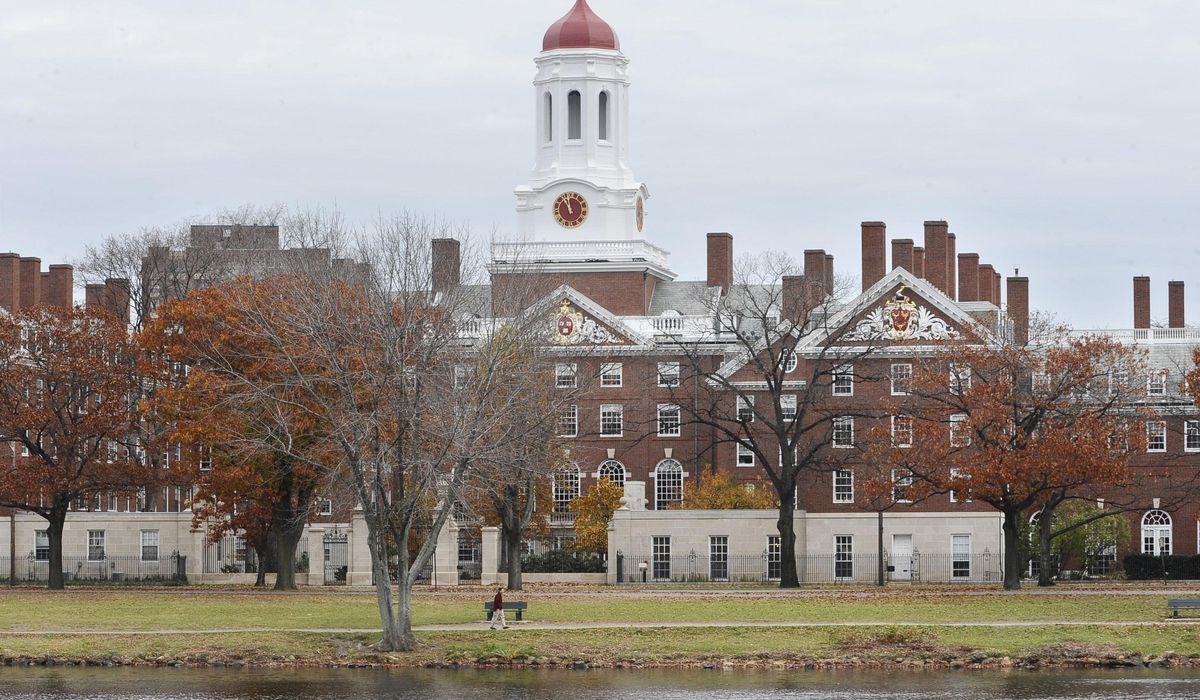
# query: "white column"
{"type": "Point", "coordinates": [490, 559]}
{"type": "Point", "coordinates": [359, 573]}
{"type": "Point", "coordinates": [445, 558]}
{"type": "Point", "coordinates": [316, 556]}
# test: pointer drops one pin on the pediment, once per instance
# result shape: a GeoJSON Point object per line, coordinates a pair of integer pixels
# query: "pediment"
{"type": "Point", "coordinates": [577, 321]}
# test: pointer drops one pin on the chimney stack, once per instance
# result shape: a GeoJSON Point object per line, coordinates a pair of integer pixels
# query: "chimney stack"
{"type": "Point", "coordinates": [814, 274]}
{"type": "Point", "coordinates": [902, 254]}
{"type": "Point", "coordinates": [10, 282]}
{"type": "Point", "coordinates": [720, 261]}
{"type": "Point", "coordinates": [1018, 308]}
{"type": "Point", "coordinates": [60, 292]}
{"type": "Point", "coordinates": [918, 267]}
{"type": "Point", "coordinates": [935, 254]}
{"type": "Point", "coordinates": [446, 264]}
{"type": "Point", "coordinates": [951, 268]}
{"type": "Point", "coordinates": [996, 279]}
{"type": "Point", "coordinates": [968, 276]}
{"type": "Point", "coordinates": [793, 298]}
{"type": "Point", "coordinates": [1141, 302]}
{"type": "Point", "coordinates": [1175, 304]}
{"type": "Point", "coordinates": [117, 293]}
{"type": "Point", "coordinates": [31, 282]}
{"type": "Point", "coordinates": [828, 274]}
{"type": "Point", "coordinates": [984, 290]}
{"type": "Point", "coordinates": [874, 252]}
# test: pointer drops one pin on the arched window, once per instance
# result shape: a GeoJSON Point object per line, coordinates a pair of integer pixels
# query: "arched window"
{"type": "Point", "coordinates": [549, 120]}
{"type": "Point", "coordinates": [574, 116]}
{"type": "Point", "coordinates": [668, 484]}
{"type": "Point", "coordinates": [603, 116]}
{"type": "Point", "coordinates": [614, 471]}
{"type": "Point", "coordinates": [566, 488]}
{"type": "Point", "coordinates": [1156, 532]}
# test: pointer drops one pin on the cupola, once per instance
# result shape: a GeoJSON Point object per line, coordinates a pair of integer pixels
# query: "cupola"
{"type": "Point", "coordinates": [581, 28]}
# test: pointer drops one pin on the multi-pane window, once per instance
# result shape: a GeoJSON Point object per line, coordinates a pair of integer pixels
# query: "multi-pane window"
{"type": "Point", "coordinates": [901, 378]}
{"type": "Point", "coordinates": [611, 374]}
{"type": "Point", "coordinates": [843, 556]}
{"type": "Point", "coordinates": [745, 455]}
{"type": "Point", "coordinates": [957, 475]}
{"type": "Point", "coordinates": [149, 545]}
{"type": "Point", "coordinates": [960, 436]}
{"type": "Point", "coordinates": [325, 506]}
{"type": "Point", "coordinates": [568, 421]}
{"type": "Point", "coordinates": [788, 360]}
{"type": "Point", "coordinates": [566, 488]}
{"type": "Point", "coordinates": [1191, 435]}
{"type": "Point", "coordinates": [1156, 436]}
{"type": "Point", "coordinates": [565, 375]}
{"type": "Point", "coordinates": [902, 431]}
{"type": "Point", "coordinates": [774, 557]}
{"type": "Point", "coordinates": [1156, 384]}
{"type": "Point", "coordinates": [1156, 533]}
{"type": "Point", "coordinates": [787, 407]}
{"type": "Point", "coordinates": [902, 481]}
{"type": "Point", "coordinates": [843, 381]}
{"type": "Point", "coordinates": [661, 557]}
{"type": "Point", "coordinates": [461, 373]}
{"type": "Point", "coordinates": [668, 374]}
{"type": "Point", "coordinates": [745, 409]}
{"type": "Point", "coordinates": [668, 420]}
{"type": "Point", "coordinates": [205, 458]}
{"type": "Point", "coordinates": [718, 557]}
{"type": "Point", "coordinates": [668, 484]}
{"type": "Point", "coordinates": [960, 556]}
{"type": "Point", "coordinates": [960, 379]}
{"type": "Point", "coordinates": [612, 470]}
{"type": "Point", "coordinates": [95, 541]}
{"type": "Point", "coordinates": [41, 545]}
{"type": "Point", "coordinates": [843, 486]}
{"type": "Point", "coordinates": [612, 419]}
{"type": "Point", "coordinates": [843, 431]}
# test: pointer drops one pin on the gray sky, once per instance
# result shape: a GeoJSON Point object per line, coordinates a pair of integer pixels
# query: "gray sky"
{"type": "Point", "coordinates": [1061, 137]}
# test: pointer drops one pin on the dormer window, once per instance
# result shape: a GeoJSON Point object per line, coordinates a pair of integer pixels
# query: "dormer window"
{"type": "Point", "coordinates": [602, 116]}
{"type": "Point", "coordinates": [574, 116]}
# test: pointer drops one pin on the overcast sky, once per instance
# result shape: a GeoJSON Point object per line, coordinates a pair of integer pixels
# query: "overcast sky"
{"type": "Point", "coordinates": [1060, 137]}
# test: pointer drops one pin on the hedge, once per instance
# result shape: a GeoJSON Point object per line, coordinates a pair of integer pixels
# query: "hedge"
{"type": "Point", "coordinates": [1143, 567]}
{"type": "Point", "coordinates": [564, 562]}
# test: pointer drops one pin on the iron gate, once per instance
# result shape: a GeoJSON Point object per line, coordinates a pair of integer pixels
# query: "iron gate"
{"type": "Point", "coordinates": [336, 546]}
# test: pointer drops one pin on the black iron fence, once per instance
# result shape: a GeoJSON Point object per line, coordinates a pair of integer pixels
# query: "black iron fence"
{"type": "Point", "coordinates": [172, 568]}
{"type": "Point", "coordinates": [231, 555]}
{"type": "Point", "coordinates": [811, 568]}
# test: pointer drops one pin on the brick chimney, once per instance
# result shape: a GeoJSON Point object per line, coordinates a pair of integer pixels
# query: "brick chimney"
{"type": "Point", "coordinates": [814, 274]}
{"type": "Point", "coordinates": [985, 287]}
{"type": "Point", "coordinates": [1175, 304]}
{"type": "Point", "coordinates": [117, 291]}
{"type": "Point", "coordinates": [720, 261]}
{"type": "Point", "coordinates": [935, 254]}
{"type": "Point", "coordinates": [997, 278]}
{"type": "Point", "coordinates": [792, 300]}
{"type": "Point", "coordinates": [968, 276]}
{"type": "Point", "coordinates": [95, 296]}
{"type": "Point", "coordinates": [1141, 302]}
{"type": "Point", "coordinates": [61, 289]}
{"type": "Point", "coordinates": [951, 268]}
{"type": "Point", "coordinates": [918, 267]}
{"type": "Point", "coordinates": [31, 282]}
{"type": "Point", "coordinates": [902, 254]}
{"type": "Point", "coordinates": [828, 274]}
{"type": "Point", "coordinates": [446, 264]}
{"type": "Point", "coordinates": [10, 281]}
{"type": "Point", "coordinates": [874, 252]}
{"type": "Point", "coordinates": [1018, 308]}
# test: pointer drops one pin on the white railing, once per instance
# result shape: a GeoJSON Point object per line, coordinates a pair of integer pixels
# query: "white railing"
{"type": "Point", "coordinates": [533, 253]}
{"type": "Point", "coordinates": [671, 325]}
{"type": "Point", "coordinates": [1167, 335]}
{"type": "Point", "coordinates": [562, 519]}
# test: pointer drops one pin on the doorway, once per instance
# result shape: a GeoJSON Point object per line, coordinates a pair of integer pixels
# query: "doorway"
{"type": "Point", "coordinates": [902, 557]}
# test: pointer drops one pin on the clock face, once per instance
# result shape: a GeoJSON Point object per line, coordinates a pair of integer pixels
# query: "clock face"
{"type": "Point", "coordinates": [570, 209]}
{"type": "Point", "coordinates": [640, 214]}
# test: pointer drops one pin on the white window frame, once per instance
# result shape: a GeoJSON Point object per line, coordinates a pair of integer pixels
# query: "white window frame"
{"type": "Point", "coordinates": [1156, 383]}
{"type": "Point", "coordinates": [611, 468]}
{"type": "Point", "coordinates": [896, 431]}
{"type": "Point", "coordinates": [149, 538]}
{"type": "Point", "coordinates": [960, 378]}
{"type": "Point", "coordinates": [745, 409]}
{"type": "Point", "coordinates": [1153, 427]}
{"type": "Point", "coordinates": [41, 552]}
{"type": "Point", "coordinates": [563, 492]}
{"type": "Point", "coordinates": [788, 360]}
{"type": "Point", "coordinates": [957, 557]}
{"type": "Point", "coordinates": [841, 426]}
{"type": "Point", "coordinates": [612, 374]}
{"type": "Point", "coordinates": [664, 420]}
{"type": "Point", "coordinates": [325, 506]}
{"type": "Point", "coordinates": [669, 374]}
{"type": "Point", "coordinates": [905, 371]}
{"type": "Point", "coordinates": [843, 553]}
{"type": "Point", "coordinates": [902, 481]}
{"type": "Point", "coordinates": [842, 383]}
{"type": "Point", "coordinates": [958, 474]}
{"type": "Point", "coordinates": [1191, 439]}
{"type": "Point", "coordinates": [788, 407]}
{"type": "Point", "coordinates": [668, 483]}
{"type": "Point", "coordinates": [204, 462]}
{"type": "Point", "coordinates": [745, 455]}
{"type": "Point", "coordinates": [95, 545]}
{"type": "Point", "coordinates": [843, 492]}
{"type": "Point", "coordinates": [1152, 533]}
{"type": "Point", "coordinates": [718, 553]}
{"type": "Point", "coordinates": [612, 414]}
{"type": "Point", "coordinates": [959, 436]}
{"type": "Point", "coordinates": [566, 375]}
{"type": "Point", "coordinates": [571, 415]}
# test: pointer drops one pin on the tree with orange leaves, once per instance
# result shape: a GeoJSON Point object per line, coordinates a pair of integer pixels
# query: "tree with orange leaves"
{"type": "Point", "coordinates": [70, 386]}
{"type": "Point", "coordinates": [1021, 427]}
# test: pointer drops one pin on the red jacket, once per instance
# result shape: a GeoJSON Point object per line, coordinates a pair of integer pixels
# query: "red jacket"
{"type": "Point", "coordinates": [498, 601]}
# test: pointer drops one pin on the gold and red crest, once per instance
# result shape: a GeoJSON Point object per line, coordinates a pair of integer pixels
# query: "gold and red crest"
{"type": "Point", "coordinates": [900, 312]}
{"type": "Point", "coordinates": [568, 323]}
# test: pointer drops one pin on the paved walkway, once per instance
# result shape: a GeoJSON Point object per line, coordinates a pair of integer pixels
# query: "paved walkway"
{"type": "Point", "coordinates": [533, 626]}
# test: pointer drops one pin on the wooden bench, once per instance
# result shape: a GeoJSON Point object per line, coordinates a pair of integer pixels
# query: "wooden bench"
{"type": "Point", "coordinates": [519, 605]}
{"type": "Point", "coordinates": [1175, 604]}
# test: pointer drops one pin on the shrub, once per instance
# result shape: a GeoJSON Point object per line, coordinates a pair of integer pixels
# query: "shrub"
{"type": "Point", "coordinates": [564, 562]}
{"type": "Point", "coordinates": [1143, 567]}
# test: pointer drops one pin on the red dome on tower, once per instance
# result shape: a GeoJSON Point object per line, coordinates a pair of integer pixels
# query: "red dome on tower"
{"type": "Point", "coordinates": [580, 29]}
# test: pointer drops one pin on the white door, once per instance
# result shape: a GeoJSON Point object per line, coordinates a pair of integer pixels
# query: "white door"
{"type": "Point", "coordinates": [902, 560]}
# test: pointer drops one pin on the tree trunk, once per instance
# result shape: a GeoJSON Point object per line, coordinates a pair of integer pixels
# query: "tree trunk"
{"type": "Point", "coordinates": [54, 529]}
{"type": "Point", "coordinates": [789, 577]}
{"type": "Point", "coordinates": [1012, 550]}
{"type": "Point", "coordinates": [882, 565]}
{"type": "Point", "coordinates": [260, 551]}
{"type": "Point", "coordinates": [512, 540]}
{"type": "Point", "coordinates": [286, 539]}
{"type": "Point", "coordinates": [392, 637]}
{"type": "Point", "coordinates": [1045, 556]}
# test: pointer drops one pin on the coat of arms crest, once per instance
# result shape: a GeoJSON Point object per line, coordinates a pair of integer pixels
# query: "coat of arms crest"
{"type": "Point", "coordinates": [568, 323]}
{"type": "Point", "coordinates": [900, 311]}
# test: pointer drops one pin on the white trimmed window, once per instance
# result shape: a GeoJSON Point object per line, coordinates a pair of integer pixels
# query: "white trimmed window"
{"type": "Point", "coordinates": [41, 545]}
{"type": "Point", "coordinates": [843, 431]}
{"type": "Point", "coordinates": [205, 458]}
{"type": "Point", "coordinates": [1156, 533]}
{"type": "Point", "coordinates": [611, 374]}
{"type": "Point", "coordinates": [325, 506]}
{"type": "Point", "coordinates": [843, 381]}
{"type": "Point", "coordinates": [902, 481]}
{"type": "Point", "coordinates": [612, 470]}
{"type": "Point", "coordinates": [960, 556]}
{"type": "Point", "coordinates": [566, 488]}
{"type": "Point", "coordinates": [612, 419]}
{"type": "Point", "coordinates": [788, 360]}
{"type": "Point", "coordinates": [1156, 383]}
{"type": "Point", "coordinates": [843, 486]}
{"type": "Point", "coordinates": [668, 420]}
{"type": "Point", "coordinates": [668, 484]}
{"type": "Point", "coordinates": [959, 435]}
{"type": "Point", "coordinates": [787, 407]}
{"type": "Point", "coordinates": [902, 431]}
{"type": "Point", "coordinates": [843, 556]}
{"type": "Point", "coordinates": [668, 374]}
{"type": "Point", "coordinates": [745, 409]}
{"type": "Point", "coordinates": [1191, 435]}
{"type": "Point", "coordinates": [957, 475]}
{"type": "Point", "coordinates": [149, 545]}
{"type": "Point", "coordinates": [568, 421]}
{"type": "Point", "coordinates": [95, 541]}
{"type": "Point", "coordinates": [745, 455]}
{"type": "Point", "coordinates": [1156, 436]}
{"type": "Point", "coordinates": [461, 373]}
{"type": "Point", "coordinates": [565, 375]}
{"type": "Point", "coordinates": [901, 378]}
{"type": "Point", "coordinates": [960, 379]}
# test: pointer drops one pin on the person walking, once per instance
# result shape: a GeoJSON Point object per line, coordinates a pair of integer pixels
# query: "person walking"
{"type": "Point", "coordinates": [498, 609]}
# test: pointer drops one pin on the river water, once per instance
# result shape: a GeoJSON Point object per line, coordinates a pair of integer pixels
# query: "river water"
{"type": "Point", "coordinates": [228, 684]}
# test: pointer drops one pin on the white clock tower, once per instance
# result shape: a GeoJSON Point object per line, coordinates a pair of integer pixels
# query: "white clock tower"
{"type": "Point", "coordinates": [582, 209]}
